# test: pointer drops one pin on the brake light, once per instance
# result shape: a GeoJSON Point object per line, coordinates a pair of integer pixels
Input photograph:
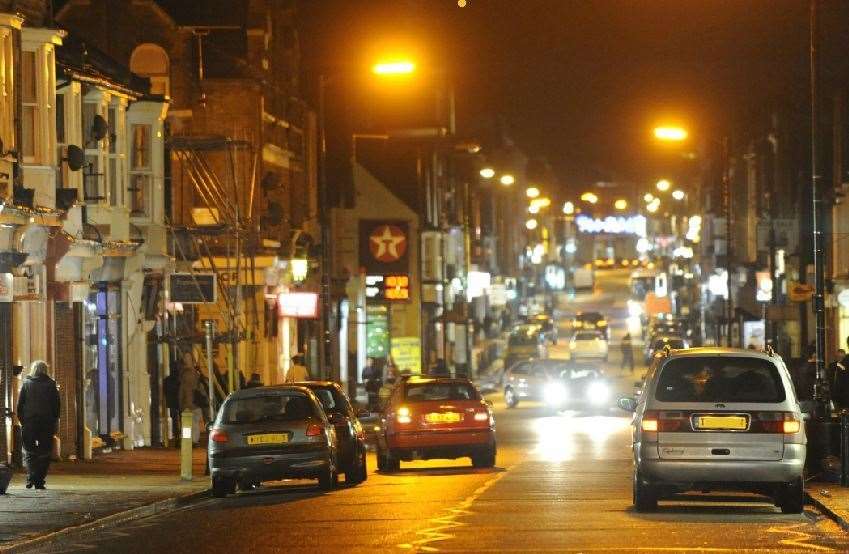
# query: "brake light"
{"type": "Point", "coordinates": [403, 415]}
{"type": "Point", "coordinates": [481, 416]}
{"type": "Point", "coordinates": [218, 435]}
{"type": "Point", "coordinates": [792, 426]}
{"type": "Point", "coordinates": [775, 422]}
{"type": "Point", "coordinates": [649, 425]}
{"type": "Point", "coordinates": [664, 422]}
{"type": "Point", "coordinates": [314, 430]}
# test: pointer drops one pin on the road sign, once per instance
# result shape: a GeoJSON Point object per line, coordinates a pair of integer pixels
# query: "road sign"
{"type": "Point", "coordinates": [800, 292]}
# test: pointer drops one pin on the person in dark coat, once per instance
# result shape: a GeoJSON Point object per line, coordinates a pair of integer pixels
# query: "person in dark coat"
{"type": "Point", "coordinates": [627, 352]}
{"type": "Point", "coordinates": [171, 384]}
{"type": "Point", "coordinates": [254, 381]}
{"type": "Point", "coordinates": [38, 411]}
{"type": "Point", "coordinates": [839, 381]}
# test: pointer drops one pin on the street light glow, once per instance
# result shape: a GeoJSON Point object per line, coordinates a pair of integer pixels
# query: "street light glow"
{"type": "Point", "coordinates": [531, 224]}
{"type": "Point", "coordinates": [648, 197]}
{"type": "Point", "coordinates": [398, 67]}
{"type": "Point", "coordinates": [532, 192]}
{"type": "Point", "coordinates": [654, 205]}
{"type": "Point", "coordinates": [620, 204]}
{"type": "Point", "coordinates": [507, 180]}
{"type": "Point", "coordinates": [672, 134]}
{"type": "Point", "coordinates": [568, 208]}
{"type": "Point", "coordinates": [487, 173]}
{"type": "Point", "coordinates": [678, 194]}
{"type": "Point", "coordinates": [663, 185]}
{"type": "Point", "coordinates": [533, 208]}
{"type": "Point", "coordinates": [543, 202]}
{"type": "Point", "coordinates": [589, 197]}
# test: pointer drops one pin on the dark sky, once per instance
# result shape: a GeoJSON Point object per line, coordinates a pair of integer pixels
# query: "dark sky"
{"type": "Point", "coordinates": [583, 82]}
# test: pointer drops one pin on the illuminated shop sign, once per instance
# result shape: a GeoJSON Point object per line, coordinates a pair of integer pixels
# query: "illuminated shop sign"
{"type": "Point", "coordinates": [633, 225]}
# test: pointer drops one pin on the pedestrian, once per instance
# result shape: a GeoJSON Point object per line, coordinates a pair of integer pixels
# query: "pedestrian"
{"type": "Point", "coordinates": [38, 412]}
{"type": "Point", "coordinates": [171, 386]}
{"type": "Point", "coordinates": [189, 382]}
{"type": "Point", "coordinates": [805, 376]}
{"type": "Point", "coordinates": [440, 369]}
{"type": "Point", "coordinates": [297, 371]}
{"type": "Point", "coordinates": [627, 347]}
{"type": "Point", "coordinates": [254, 381]}
{"type": "Point", "coordinates": [373, 381]}
{"type": "Point", "coordinates": [839, 381]}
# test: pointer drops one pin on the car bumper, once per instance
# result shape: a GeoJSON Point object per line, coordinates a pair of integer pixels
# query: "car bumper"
{"type": "Point", "coordinates": [657, 470]}
{"type": "Point", "coordinates": [425, 446]}
{"type": "Point", "coordinates": [270, 466]}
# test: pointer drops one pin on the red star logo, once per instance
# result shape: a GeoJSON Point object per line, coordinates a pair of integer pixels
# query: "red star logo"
{"type": "Point", "coordinates": [387, 243]}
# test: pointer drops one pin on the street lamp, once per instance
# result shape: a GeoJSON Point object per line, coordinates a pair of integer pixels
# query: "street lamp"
{"type": "Point", "coordinates": [531, 224]}
{"type": "Point", "coordinates": [396, 67]}
{"type": "Point", "coordinates": [654, 205]}
{"type": "Point", "coordinates": [568, 208]}
{"type": "Point", "coordinates": [648, 197]}
{"type": "Point", "coordinates": [533, 209]}
{"type": "Point", "coordinates": [678, 194]}
{"type": "Point", "coordinates": [487, 173]}
{"type": "Point", "coordinates": [663, 185]}
{"type": "Point", "coordinates": [543, 202]}
{"type": "Point", "coordinates": [532, 192]}
{"type": "Point", "coordinates": [589, 197]}
{"type": "Point", "coordinates": [507, 180]}
{"type": "Point", "coordinates": [670, 134]}
{"type": "Point", "coordinates": [620, 204]}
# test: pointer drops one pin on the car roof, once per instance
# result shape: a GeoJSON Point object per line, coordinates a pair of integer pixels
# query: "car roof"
{"type": "Point", "coordinates": [261, 391]}
{"type": "Point", "coordinates": [315, 384]}
{"type": "Point", "coordinates": [419, 380]}
{"type": "Point", "coordinates": [706, 351]}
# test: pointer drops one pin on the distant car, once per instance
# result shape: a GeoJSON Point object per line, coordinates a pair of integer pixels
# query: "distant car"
{"type": "Point", "coordinates": [547, 325]}
{"type": "Point", "coordinates": [429, 418]}
{"type": "Point", "coordinates": [588, 345]}
{"type": "Point", "coordinates": [658, 343]}
{"type": "Point", "coordinates": [590, 320]}
{"type": "Point", "coordinates": [271, 433]}
{"type": "Point", "coordinates": [350, 435]}
{"type": "Point", "coordinates": [538, 380]}
{"type": "Point", "coordinates": [718, 419]}
{"type": "Point", "coordinates": [525, 341]}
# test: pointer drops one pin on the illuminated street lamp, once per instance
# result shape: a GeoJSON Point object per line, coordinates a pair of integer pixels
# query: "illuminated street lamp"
{"type": "Point", "coordinates": [541, 202]}
{"type": "Point", "coordinates": [532, 192]}
{"type": "Point", "coordinates": [678, 194]}
{"type": "Point", "coordinates": [670, 134]}
{"type": "Point", "coordinates": [663, 185]}
{"type": "Point", "coordinates": [589, 197]}
{"type": "Point", "coordinates": [395, 67]}
{"type": "Point", "coordinates": [533, 209]}
{"type": "Point", "coordinates": [531, 224]}
{"type": "Point", "coordinates": [620, 204]}
{"type": "Point", "coordinates": [507, 180]}
{"type": "Point", "coordinates": [654, 205]}
{"type": "Point", "coordinates": [648, 197]}
{"type": "Point", "coordinates": [487, 173]}
{"type": "Point", "coordinates": [568, 208]}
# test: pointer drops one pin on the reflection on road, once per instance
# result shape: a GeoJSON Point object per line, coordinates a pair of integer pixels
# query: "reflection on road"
{"type": "Point", "coordinates": [559, 437]}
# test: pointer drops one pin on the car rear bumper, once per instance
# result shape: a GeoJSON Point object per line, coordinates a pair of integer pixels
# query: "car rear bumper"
{"type": "Point", "coordinates": [657, 470]}
{"type": "Point", "coordinates": [429, 445]}
{"type": "Point", "coordinates": [269, 467]}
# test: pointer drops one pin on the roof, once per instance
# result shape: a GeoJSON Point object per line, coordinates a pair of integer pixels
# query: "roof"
{"type": "Point", "coordinates": [81, 61]}
{"type": "Point", "coordinates": [258, 391]}
{"type": "Point", "coordinates": [704, 351]}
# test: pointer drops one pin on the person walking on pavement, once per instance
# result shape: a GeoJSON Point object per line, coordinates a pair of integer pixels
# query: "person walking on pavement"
{"type": "Point", "coordinates": [171, 385]}
{"type": "Point", "coordinates": [627, 352]}
{"type": "Point", "coordinates": [298, 371]}
{"type": "Point", "coordinates": [254, 381]}
{"type": "Point", "coordinates": [38, 411]}
{"type": "Point", "coordinates": [839, 382]}
{"type": "Point", "coordinates": [373, 381]}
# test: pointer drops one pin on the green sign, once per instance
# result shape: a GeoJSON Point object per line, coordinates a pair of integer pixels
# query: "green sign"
{"type": "Point", "coordinates": [377, 331]}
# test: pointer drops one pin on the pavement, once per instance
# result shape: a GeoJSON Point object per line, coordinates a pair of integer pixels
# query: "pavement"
{"type": "Point", "coordinates": [832, 500]}
{"type": "Point", "coordinates": [85, 495]}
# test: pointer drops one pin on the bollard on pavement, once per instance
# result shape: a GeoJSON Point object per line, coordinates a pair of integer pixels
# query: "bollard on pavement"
{"type": "Point", "coordinates": [186, 446]}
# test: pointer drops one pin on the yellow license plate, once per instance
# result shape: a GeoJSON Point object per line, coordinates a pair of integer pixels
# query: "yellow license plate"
{"type": "Point", "coordinates": [730, 423]}
{"type": "Point", "coordinates": [447, 417]}
{"type": "Point", "coordinates": [268, 438]}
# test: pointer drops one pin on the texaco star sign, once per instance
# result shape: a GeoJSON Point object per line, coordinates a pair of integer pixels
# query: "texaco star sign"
{"type": "Point", "coordinates": [387, 243]}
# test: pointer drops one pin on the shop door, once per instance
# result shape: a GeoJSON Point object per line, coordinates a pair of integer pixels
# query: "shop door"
{"type": "Point", "coordinates": [104, 371]}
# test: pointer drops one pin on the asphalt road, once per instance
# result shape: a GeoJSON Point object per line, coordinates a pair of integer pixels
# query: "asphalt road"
{"type": "Point", "coordinates": [563, 484]}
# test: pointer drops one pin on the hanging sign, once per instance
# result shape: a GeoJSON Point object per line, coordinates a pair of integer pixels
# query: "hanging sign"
{"type": "Point", "coordinates": [800, 292]}
{"type": "Point", "coordinates": [384, 246]}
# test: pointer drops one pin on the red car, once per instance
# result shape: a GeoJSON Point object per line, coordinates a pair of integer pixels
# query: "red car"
{"type": "Point", "coordinates": [428, 418]}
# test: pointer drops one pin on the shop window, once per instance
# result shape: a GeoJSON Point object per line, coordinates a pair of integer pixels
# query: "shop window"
{"type": "Point", "coordinates": [151, 61]}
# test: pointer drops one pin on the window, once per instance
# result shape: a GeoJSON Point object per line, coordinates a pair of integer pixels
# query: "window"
{"type": "Point", "coordinates": [141, 175]}
{"type": "Point", "coordinates": [93, 170]}
{"type": "Point", "coordinates": [105, 168]}
{"type": "Point", "coordinates": [268, 407]}
{"type": "Point", "coordinates": [720, 379]}
{"type": "Point", "coordinates": [29, 97]}
{"type": "Point", "coordinates": [38, 85]}
{"type": "Point", "coordinates": [440, 392]}
{"type": "Point", "coordinates": [151, 61]}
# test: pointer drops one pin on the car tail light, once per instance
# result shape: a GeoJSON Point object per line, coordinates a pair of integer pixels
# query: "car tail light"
{"type": "Point", "coordinates": [775, 422]}
{"type": "Point", "coordinates": [649, 422]}
{"type": "Point", "coordinates": [403, 415]}
{"type": "Point", "coordinates": [665, 422]}
{"type": "Point", "coordinates": [218, 435]}
{"type": "Point", "coordinates": [314, 430]}
{"type": "Point", "coordinates": [481, 416]}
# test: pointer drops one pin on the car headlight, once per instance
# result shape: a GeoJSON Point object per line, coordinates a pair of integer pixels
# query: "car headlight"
{"type": "Point", "coordinates": [598, 393]}
{"type": "Point", "coordinates": [554, 394]}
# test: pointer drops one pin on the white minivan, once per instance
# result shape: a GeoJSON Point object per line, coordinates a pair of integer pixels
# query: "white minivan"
{"type": "Point", "coordinates": [718, 419]}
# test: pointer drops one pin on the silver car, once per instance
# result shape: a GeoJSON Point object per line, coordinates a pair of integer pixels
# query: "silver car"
{"type": "Point", "coordinates": [718, 419]}
{"type": "Point", "coordinates": [271, 433]}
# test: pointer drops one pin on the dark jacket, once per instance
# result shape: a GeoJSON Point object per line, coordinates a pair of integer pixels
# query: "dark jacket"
{"type": "Point", "coordinates": [39, 400]}
{"type": "Point", "coordinates": [171, 384]}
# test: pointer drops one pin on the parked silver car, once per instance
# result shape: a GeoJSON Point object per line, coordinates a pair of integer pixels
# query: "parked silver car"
{"type": "Point", "coordinates": [271, 433]}
{"type": "Point", "coordinates": [718, 419]}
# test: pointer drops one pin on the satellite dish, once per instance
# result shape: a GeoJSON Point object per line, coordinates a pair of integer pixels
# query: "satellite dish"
{"type": "Point", "coordinates": [99, 128]}
{"type": "Point", "coordinates": [75, 157]}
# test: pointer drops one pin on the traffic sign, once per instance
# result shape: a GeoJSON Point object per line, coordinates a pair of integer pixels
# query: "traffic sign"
{"type": "Point", "coordinates": [800, 292]}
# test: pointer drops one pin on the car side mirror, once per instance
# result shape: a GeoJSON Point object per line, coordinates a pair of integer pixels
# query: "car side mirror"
{"type": "Point", "coordinates": [628, 404]}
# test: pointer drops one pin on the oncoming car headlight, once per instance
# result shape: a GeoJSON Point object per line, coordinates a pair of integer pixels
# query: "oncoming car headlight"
{"type": "Point", "coordinates": [554, 394]}
{"type": "Point", "coordinates": [598, 393]}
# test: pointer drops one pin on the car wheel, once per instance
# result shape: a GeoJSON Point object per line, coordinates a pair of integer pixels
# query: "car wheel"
{"type": "Point", "coordinates": [221, 487]}
{"type": "Point", "coordinates": [359, 473]}
{"type": "Point", "coordinates": [387, 463]}
{"type": "Point", "coordinates": [645, 495]}
{"type": "Point", "coordinates": [510, 398]}
{"type": "Point", "coordinates": [485, 459]}
{"type": "Point", "coordinates": [329, 478]}
{"type": "Point", "coordinates": [791, 497]}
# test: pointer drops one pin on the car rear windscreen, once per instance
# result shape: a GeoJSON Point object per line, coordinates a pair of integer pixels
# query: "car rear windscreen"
{"type": "Point", "coordinates": [720, 379]}
{"type": "Point", "coordinates": [440, 391]}
{"type": "Point", "coordinates": [276, 407]}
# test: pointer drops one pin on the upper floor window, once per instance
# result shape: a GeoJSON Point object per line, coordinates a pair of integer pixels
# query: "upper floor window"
{"type": "Point", "coordinates": [150, 60]}
{"type": "Point", "coordinates": [38, 86]}
{"type": "Point", "coordinates": [141, 171]}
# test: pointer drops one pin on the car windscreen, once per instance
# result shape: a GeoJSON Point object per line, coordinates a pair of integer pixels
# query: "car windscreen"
{"type": "Point", "coordinates": [276, 407]}
{"type": "Point", "coordinates": [524, 336]}
{"type": "Point", "coordinates": [720, 379]}
{"type": "Point", "coordinates": [424, 392]}
{"type": "Point", "coordinates": [331, 400]}
{"type": "Point", "coordinates": [553, 368]}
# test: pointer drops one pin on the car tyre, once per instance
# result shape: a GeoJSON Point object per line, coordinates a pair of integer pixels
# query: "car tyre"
{"type": "Point", "coordinates": [387, 463]}
{"type": "Point", "coordinates": [485, 458]}
{"type": "Point", "coordinates": [222, 486]}
{"type": "Point", "coordinates": [510, 398]}
{"type": "Point", "coordinates": [791, 497]}
{"type": "Point", "coordinates": [329, 478]}
{"type": "Point", "coordinates": [359, 473]}
{"type": "Point", "coordinates": [645, 495]}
